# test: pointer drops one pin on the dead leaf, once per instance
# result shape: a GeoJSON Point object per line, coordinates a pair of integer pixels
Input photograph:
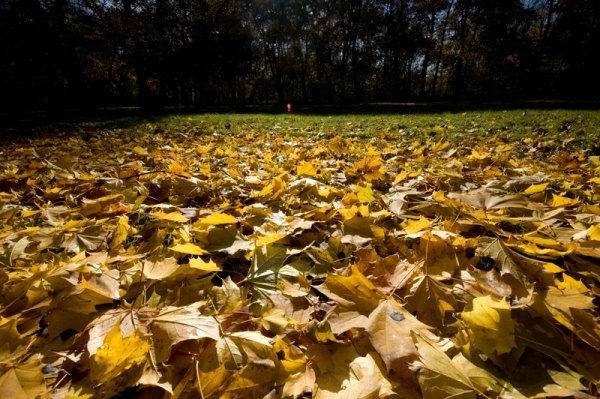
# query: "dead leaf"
{"type": "Point", "coordinates": [490, 324]}
{"type": "Point", "coordinates": [116, 355]}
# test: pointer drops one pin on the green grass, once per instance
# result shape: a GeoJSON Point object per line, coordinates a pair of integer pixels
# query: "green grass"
{"type": "Point", "coordinates": [552, 123]}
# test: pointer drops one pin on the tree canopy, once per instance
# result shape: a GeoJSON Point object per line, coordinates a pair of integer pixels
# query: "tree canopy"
{"type": "Point", "coordinates": [156, 53]}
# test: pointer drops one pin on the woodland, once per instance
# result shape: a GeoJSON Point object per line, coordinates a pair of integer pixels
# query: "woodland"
{"type": "Point", "coordinates": [65, 54]}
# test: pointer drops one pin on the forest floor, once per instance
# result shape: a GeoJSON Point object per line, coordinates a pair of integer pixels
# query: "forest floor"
{"type": "Point", "coordinates": [340, 252]}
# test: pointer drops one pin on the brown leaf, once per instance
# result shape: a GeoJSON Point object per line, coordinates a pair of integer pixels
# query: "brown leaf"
{"type": "Point", "coordinates": [432, 300]}
{"type": "Point", "coordinates": [389, 329]}
{"type": "Point", "coordinates": [175, 324]}
{"type": "Point", "coordinates": [24, 381]}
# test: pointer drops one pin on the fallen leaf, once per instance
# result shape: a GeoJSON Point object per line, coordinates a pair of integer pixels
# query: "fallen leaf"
{"type": "Point", "coordinates": [175, 324]}
{"type": "Point", "coordinates": [189, 248]}
{"type": "Point", "coordinates": [116, 355]}
{"type": "Point", "coordinates": [219, 218]}
{"type": "Point", "coordinates": [490, 325]}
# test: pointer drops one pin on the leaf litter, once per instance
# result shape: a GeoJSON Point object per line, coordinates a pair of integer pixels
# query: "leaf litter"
{"type": "Point", "coordinates": [260, 265]}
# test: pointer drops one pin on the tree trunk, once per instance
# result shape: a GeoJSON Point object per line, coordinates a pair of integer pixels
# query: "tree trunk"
{"type": "Point", "coordinates": [439, 59]}
{"type": "Point", "coordinates": [140, 71]}
{"type": "Point", "coordinates": [66, 59]}
{"type": "Point", "coordinates": [427, 54]}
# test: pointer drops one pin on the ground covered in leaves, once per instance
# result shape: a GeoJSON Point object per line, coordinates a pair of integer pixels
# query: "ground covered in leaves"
{"type": "Point", "coordinates": [256, 263]}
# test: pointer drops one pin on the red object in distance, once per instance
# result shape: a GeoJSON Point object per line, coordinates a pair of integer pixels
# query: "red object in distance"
{"type": "Point", "coordinates": [289, 107]}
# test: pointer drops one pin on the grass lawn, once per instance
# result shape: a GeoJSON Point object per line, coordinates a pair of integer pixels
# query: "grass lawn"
{"type": "Point", "coordinates": [547, 122]}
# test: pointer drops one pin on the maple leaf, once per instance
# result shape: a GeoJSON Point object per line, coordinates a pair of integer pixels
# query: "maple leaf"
{"type": "Point", "coordinates": [444, 378]}
{"type": "Point", "coordinates": [389, 329]}
{"type": "Point", "coordinates": [160, 267]}
{"type": "Point", "coordinates": [518, 266]}
{"type": "Point", "coordinates": [341, 372]}
{"type": "Point", "coordinates": [355, 297]}
{"type": "Point", "coordinates": [414, 226]}
{"type": "Point", "coordinates": [175, 324]}
{"type": "Point", "coordinates": [266, 263]}
{"type": "Point", "coordinates": [491, 325]}
{"type": "Point", "coordinates": [24, 381]}
{"type": "Point", "coordinates": [255, 380]}
{"type": "Point", "coordinates": [88, 239]}
{"type": "Point", "coordinates": [227, 297]}
{"type": "Point", "coordinates": [10, 338]}
{"type": "Point", "coordinates": [218, 218]}
{"type": "Point", "coordinates": [484, 199]}
{"type": "Point", "coordinates": [116, 355]}
{"type": "Point", "coordinates": [189, 248]}
{"type": "Point", "coordinates": [121, 232]}
{"type": "Point", "coordinates": [170, 217]}
{"type": "Point", "coordinates": [558, 303]}
{"type": "Point", "coordinates": [432, 300]}
{"type": "Point", "coordinates": [199, 264]}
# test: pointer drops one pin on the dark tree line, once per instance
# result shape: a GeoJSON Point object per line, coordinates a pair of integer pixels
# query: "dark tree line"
{"type": "Point", "coordinates": [156, 53]}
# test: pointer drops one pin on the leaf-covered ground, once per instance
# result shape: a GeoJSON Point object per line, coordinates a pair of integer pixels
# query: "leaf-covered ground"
{"type": "Point", "coordinates": [251, 263]}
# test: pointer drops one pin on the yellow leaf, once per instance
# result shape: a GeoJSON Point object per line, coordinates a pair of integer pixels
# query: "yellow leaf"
{"type": "Point", "coordinates": [296, 383]}
{"type": "Point", "coordinates": [440, 145]}
{"type": "Point", "coordinates": [536, 188]}
{"type": "Point", "coordinates": [541, 240]}
{"type": "Point", "coordinates": [291, 360]}
{"type": "Point", "coordinates": [439, 196]}
{"type": "Point", "coordinates": [23, 381]}
{"type": "Point", "coordinates": [435, 360]}
{"type": "Point", "coordinates": [158, 268]}
{"type": "Point", "coordinates": [534, 250]}
{"type": "Point", "coordinates": [84, 283]}
{"type": "Point", "coordinates": [559, 201]}
{"type": "Point", "coordinates": [342, 373]}
{"type": "Point", "coordinates": [171, 217]}
{"type": "Point", "coordinates": [211, 382]}
{"type": "Point", "coordinates": [274, 189]}
{"type": "Point", "coordinates": [389, 330]}
{"type": "Point", "coordinates": [138, 150]}
{"type": "Point", "coordinates": [569, 283]}
{"type": "Point", "coordinates": [307, 169]}
{"type": "Point", "coordinates": [479, 155]}
{"type": "Point", "coordinates": [219, 218]}
{"type": "Point", "coordinates": [10, 338]}
{"type": "Point", "coordinates": [594, 180]}
{"type": "Point", "coordinates": [253, 381]}
{"type": "Point", "coordinates": [25, 213]}
{"type": "Point", "coordinates": [365, 193]}
{"type": "Point", "coordinates": [557, 303]}
{"type": "Point", "coordinates": [178, 169]}
{"type": "Point", "coordinates": [80, 392]}
{"type": "Point", "coordinates": [432, 300]}
{"type": "Point", "coordinates": [354, 292]}
{"type": "Point", "coordinates": [594, 233]}
{"type": "Point", "coordinates": [189, 249]}
{"type": "Point", "coordinates": [274, 320]}
{"type": "Point", "coordinates": [198, 263]}
{"type": "Point", "coordinates": [491, 325]}
{"type": "Point", "coordinates": [321, 332]}
{"type": "Point", "coordinates": [551, 267]}
{"type": "Point", "coordinates": [414, 226]}
{"type": "Point", "coordinates": [121, 232]}
{"type": "Point", "coordinates": [269, 239]}
{"type": "Point", "coordinates": [401, 176]}
{"type": "Point", "coordinates": [117, 354]}
{"type": "Point", "coordinates": [75, 224]}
